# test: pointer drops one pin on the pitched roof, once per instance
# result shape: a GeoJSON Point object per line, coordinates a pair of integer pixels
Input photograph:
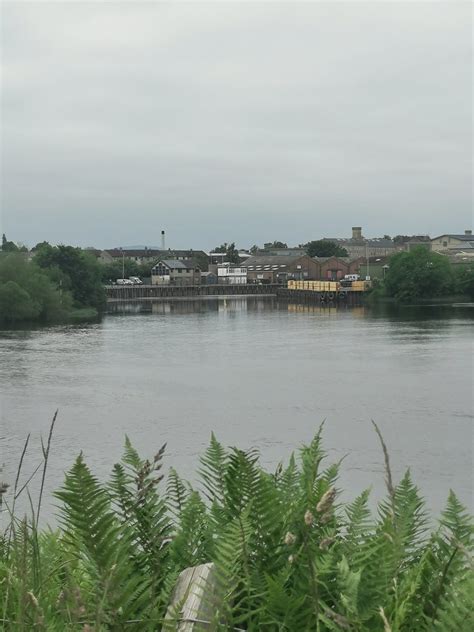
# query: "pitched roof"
{"type": "Point", "coordinates": [462, 237]}
{"type": "Point", "coordinates": [152, 252]}
{"type": "Point", "coordinates": [346, 260]}
{"type": "Point", "coordinates": [379, 242]}
{"type": "Point", "coordinates": [148, 252]}
{"type": "Point", "coordinates": [271, 260]}
{"type": "Point", "coordinates": [175, 264]}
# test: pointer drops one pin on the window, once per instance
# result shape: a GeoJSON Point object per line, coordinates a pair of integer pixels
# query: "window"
{"type": "Point", "coordinates": [445, 243]}
{"type": "Point", "coordinates": [180, 270]}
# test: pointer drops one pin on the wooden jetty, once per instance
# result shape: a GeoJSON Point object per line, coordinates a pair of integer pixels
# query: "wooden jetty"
{"type": "Point", "coordinates": [130, 293]}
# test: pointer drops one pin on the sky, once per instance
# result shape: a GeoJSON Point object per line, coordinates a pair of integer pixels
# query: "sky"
{"type": "Point", "coordinates": [246, 122]}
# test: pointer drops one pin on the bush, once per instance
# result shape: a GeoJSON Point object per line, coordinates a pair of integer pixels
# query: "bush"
{"type": "Point", "coordinates": [28, 293]}
{"type": "Point", "coordinates": [418, 274]}
{"type": "Point", "coordinates": [464, 280]}
{"type": "Point", "coordinates": [80, 269]}
{"type": "Point", "coordinates": [288, 554]}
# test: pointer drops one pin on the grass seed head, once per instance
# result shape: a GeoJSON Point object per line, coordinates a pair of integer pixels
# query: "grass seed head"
{"type": "Point", "coordinates": [326, 501]}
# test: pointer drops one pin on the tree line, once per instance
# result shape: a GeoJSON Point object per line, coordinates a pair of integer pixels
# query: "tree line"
{"type": "Point", "coordinates": [57, 283]}
{"type": "Point", "coordinates": [422, 274]}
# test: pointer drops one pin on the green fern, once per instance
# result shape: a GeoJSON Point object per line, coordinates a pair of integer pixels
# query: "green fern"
{"type": "Point", "coordinates": [287, 555]}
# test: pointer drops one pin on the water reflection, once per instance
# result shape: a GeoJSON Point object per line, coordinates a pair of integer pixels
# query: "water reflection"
{"type": "Point", "coordinates": [194, 306]}
{"type": "Point", "coordinates": [258, 373]}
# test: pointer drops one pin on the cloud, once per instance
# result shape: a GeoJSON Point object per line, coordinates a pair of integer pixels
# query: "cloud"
{"type": "Point", "coordinates": [234, 121]}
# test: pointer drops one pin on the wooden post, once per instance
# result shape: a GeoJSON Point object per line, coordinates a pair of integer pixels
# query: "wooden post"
{"type": "Point", "coordinates": [195, 601]}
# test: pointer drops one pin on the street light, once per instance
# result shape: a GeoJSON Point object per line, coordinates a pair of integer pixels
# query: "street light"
{"type": "Point", "coordinates": [123, 263]}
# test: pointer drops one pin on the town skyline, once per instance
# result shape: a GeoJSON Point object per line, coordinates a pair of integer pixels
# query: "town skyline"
{"type": "Point", "coordinates": [173, 243]}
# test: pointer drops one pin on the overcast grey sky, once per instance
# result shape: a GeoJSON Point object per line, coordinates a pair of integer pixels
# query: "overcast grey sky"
{"type": "Point", "coordinates": [246, 122]}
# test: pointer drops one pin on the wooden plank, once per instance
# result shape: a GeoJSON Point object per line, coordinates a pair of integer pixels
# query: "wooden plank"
{"type": "Point", "coordinates": [197, 596]}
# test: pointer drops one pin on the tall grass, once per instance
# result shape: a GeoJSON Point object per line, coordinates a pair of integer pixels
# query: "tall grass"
{"type": "Point", "coordinates": [288, 554]}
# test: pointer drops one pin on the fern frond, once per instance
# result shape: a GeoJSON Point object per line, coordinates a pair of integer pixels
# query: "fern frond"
{"type": "Point", "coordinates": [212, 470]}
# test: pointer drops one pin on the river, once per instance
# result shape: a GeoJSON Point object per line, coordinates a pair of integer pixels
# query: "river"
{"type": "Point", "coordinates": [258, 374]}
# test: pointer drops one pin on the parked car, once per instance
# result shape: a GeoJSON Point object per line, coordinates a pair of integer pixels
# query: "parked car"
{"type": "Point", "coordinates": [124, 282]}
{"type": "Point", "coordinates": [136, 280]}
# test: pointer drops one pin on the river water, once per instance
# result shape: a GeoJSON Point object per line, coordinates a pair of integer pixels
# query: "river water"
{"type": "Point", "coordinates": [258, 374]}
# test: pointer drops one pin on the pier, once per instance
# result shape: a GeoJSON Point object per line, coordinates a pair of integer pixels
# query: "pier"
{"type": "Point", "coordinates": [130, 293]}
{"type": "Point", "coordinates": [144, 293]}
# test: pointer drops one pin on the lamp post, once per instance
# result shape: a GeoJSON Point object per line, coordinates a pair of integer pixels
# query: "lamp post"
{"type": "Point", "coordinates": [123, 263]}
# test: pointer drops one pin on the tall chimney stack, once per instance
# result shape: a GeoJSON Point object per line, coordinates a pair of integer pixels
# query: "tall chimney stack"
{"type": "Point", "coordinates": [163, 243]}
{"type": "Point", "coordinates": [356, 232]}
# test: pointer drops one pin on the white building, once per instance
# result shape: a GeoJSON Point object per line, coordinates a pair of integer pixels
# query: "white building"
{"type": "Point", "coordinates": [452, 242]}
{"type": "Point", "coordinates": [231, 274]}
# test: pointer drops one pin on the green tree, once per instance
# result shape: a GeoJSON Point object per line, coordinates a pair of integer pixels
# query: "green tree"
{"type": "Point", "coordinates": [401, 239]}
{"type": "Point", "coordinates": [464, 280]}
{"type": "Point", "coordinates": [39, 245]}
{"type": "Point", "coordinates": [28, 293]}
{"type": "Point", "coordinates": [8, 246]}
{"type": "Point", "coordinates": [275, 244]}
{"type": "Point", "coordinates": [16, 304]}
{"type": "Point", "coordinates": [232, 254]}
{"type": "Point", "coordinates": [80, 267]}
{"type": "Point", "coordinates": [418, 274]}
{"type": "Point", "coordinates": [324, 248]}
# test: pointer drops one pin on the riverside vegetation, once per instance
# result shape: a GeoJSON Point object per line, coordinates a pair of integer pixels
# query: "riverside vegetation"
{"type": "Point", "coordinates": [422, 274]}
{"type": "Point", "coordinates": [59, 284]}
{"type": "Point", "coordinates": [288, 554]}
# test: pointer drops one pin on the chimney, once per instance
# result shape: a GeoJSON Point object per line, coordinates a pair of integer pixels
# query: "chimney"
{"type": "Point", "coordinates": [468, 232]}
{"type": "Point", "coordinates": [356, 232]}
{"type": "Point", "coordinates": [163, 243]}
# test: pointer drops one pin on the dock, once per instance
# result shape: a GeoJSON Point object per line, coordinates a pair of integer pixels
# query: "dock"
{"type": "Point", "coordinates": [130, 293]}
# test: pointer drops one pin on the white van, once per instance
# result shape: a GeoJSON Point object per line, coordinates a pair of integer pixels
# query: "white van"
{"type": "Point", "coordinates": [351, 277]}
{"type": "Point", "coordinates": [136, 280]}
{"type": "Point", "coordinates": [124, 282]}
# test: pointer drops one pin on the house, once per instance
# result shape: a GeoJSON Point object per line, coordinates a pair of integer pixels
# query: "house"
{"type": "Point", "coordinates": [102, 256]}
{"type": "Point", "coordinates": [139, 255]}
{"type": "Point", "coordinates": [278, 269]}
{"type": "Point", "coordinates": [152, 255]}
{"type": "Point", "coordinates": [175, 272]}
{"type": "Point", "coordinates": [450, 241]}
{"type": "Point", "coordinates": [375, 267]}
{"type": "Point", "coordinates": [418, 240]}
{"type": "Point", "coordinates": [231, 274]}
{"type": "Point", "coordinates": [281, 252]}
{"type": "Point", "coordinates": [208, 278]}
{"type": "Point", "coordinates": [359, 246]}
{"type": "Point", "coordinates": [220, 257]}
{"type": "Point", "coordinates": [335, 268]}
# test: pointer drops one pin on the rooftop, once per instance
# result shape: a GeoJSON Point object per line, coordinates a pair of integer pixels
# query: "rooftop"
{"type": "Point", "coordinates": [271, 261]}
{"type": "Point", "coordinates": [175, 264]}
{"type": "Point", "coordinates": [463, 237]}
